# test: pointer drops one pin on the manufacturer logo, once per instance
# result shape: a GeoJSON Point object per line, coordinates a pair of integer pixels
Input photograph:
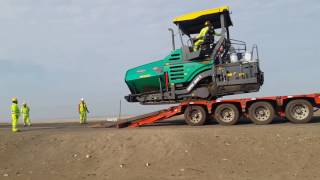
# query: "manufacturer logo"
{"type": "Point", "coordinates": [191, 86]}
{"type": "Point", "coordinates": [141, 71]}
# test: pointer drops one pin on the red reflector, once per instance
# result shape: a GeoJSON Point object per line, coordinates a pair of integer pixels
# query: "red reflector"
{"type": "Point", "coordinates": [166, 77]}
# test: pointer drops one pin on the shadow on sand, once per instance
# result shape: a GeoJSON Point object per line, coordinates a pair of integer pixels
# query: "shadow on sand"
{"type": "Point", "coordinates": [174, 122]}
{"type": "Point", "coordinates": [242, 121]}
{"type": "Point", "coordinates": [47, 126]}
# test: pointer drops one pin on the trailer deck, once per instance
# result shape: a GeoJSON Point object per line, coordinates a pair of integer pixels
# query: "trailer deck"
{"type": "Point", "coordinates": [260, 110]}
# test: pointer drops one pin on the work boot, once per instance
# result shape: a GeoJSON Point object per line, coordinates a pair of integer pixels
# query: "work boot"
{"type": "Point", "coordinates": [16, 130]}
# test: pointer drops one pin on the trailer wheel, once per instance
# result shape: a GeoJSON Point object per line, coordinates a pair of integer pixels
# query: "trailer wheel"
{"type": "Point", "coordinates": [227, 114]}
{"type": "Point", "coordinates": [261, 113]}
{"type": "Point", "coordinates": [299, 111]}
{"type": "Point", "coordinates": [195, 115]}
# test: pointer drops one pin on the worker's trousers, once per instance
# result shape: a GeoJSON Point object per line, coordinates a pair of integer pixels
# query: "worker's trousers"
{"type": "Point", "coordinates": [83, 117]}
{"type": "Point", "coordinates": [197, 44]}
{"type": "Point", "coordinates": [14, 124]}
{"type": "Point", "coordinates": [26, 120]}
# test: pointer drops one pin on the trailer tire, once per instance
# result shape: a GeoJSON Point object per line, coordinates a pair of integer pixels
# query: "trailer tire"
{"type": "Point", "coordinates": [227, 114]}
{"type": "Point", "coordinates": [195, 115]}
{"type": "Point", "coordinates": [299, 111]}
{"type": "Point", "coordinates": [261, 113]}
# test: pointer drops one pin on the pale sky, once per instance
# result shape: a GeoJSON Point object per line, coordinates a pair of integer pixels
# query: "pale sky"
{"type": "Point", "coordinates": [53, 52]}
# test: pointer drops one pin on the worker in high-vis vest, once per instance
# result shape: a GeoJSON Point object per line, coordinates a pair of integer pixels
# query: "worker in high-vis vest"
{"type": "Point", "coordinates": [83, 110]}
{"type": "Point", "coordinates": [199, 39]}
{"type": "Point", "coordinates": [25, 110]}
{"type": "Point", "coordinates": [15, 114]}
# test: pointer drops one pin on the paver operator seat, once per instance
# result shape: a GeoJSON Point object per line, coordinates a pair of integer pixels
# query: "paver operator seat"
{"type": "Point", "coordinates": [191, 24]}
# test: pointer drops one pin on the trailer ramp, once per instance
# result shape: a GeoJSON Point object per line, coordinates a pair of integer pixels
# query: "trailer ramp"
{"type": "Point", "coordinates": [146, 118]}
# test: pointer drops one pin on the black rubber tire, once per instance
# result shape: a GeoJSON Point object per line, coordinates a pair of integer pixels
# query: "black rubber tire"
{"type": "Point", "coordinates": [261, 113]}
{"type": "Point", "coordinates": [195, 115]}
{"type": "Point", "coordinates": [299, 111]}
{"type": "Point", "coordinates": [224, 111]}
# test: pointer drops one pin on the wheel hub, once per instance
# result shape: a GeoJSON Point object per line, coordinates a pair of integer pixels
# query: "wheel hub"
{"type": "Point", "coordinates": [227, 115]}
{"type": "Point", "coordinates": [196, 116]}
{"type": "Point", "coordinates": [262, 114]}
{"type": "Point", "coordinates": [300, 111]}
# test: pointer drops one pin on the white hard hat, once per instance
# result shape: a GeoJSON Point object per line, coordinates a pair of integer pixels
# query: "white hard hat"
{"type": "Point", "coordinates": [82, 99]}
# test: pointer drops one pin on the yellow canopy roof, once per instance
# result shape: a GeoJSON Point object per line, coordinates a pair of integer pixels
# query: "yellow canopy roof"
{"type": "Point", "coordinates": [192, 23]}
{"type": "Point", "coordinates": [195, 15]}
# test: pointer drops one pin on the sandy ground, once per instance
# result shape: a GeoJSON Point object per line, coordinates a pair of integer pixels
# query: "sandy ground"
{"type": "Point", "coordinates": [167, 150]}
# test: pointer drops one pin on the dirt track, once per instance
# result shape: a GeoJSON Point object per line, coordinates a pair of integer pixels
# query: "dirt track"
{"type": "Point", "coordinates": [279, 151]}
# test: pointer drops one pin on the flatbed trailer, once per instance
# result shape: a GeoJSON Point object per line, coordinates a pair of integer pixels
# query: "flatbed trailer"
{"type": "Point", "coordinates": [260, 110]}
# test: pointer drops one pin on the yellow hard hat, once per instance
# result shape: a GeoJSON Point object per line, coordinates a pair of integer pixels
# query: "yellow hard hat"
{"type": "Point", "coordinates": [207, 23]}
{"type": "Point", "coordinates": [14, 99]}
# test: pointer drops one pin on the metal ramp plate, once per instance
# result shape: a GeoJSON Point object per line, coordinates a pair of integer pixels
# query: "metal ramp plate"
{"type": "Point", "coordinates": [148, 118]}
